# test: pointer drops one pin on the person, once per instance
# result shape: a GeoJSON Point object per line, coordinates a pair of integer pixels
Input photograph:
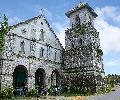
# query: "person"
{"type": "Point", "coordinates": [26, 90]}
{"type": "Point", "coordinates": [37, 87]}
{"type": "Point", "coordinates": [42, 90]}
{"type": "Point", "coordinates": [21, 91]}
{"type": "Point", "coordinates": [56, 91]}
{"type": "Point", "coordinates": [15, 92]}
{"type": "Point", "coordinates": [47, 92]}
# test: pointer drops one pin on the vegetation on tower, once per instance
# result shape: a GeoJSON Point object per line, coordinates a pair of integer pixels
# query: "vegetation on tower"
{"type": "Point", "coordinates": [78, 30]}
{"type": "Point", "coordinates": [99, 52]}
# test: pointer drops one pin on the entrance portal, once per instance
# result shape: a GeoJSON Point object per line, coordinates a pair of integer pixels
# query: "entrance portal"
{"type": "Point", "coordinates": [40, 77]}
{"type": "Point", "coordinates": [19, 78]}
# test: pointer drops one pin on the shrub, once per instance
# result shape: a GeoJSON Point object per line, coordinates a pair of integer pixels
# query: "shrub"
{"type": "Point", "coordinates": [7, 93]}
{"type": "Point", "coordinates": [74, 91]}
{"type": "Point", "coordinates": [33, 92]}
{"type": "Point", "coordinates": [44, 97]}
{"type": "Point", "coordinates": [89, 92]}
{"type": "Point", "coordinates": [112, 83]}
{"type": "Point", "coordinates": [51, 91]}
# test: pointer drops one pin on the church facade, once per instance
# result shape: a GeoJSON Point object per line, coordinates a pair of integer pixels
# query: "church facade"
{"type": "Point", "coordinates": [34, 56]}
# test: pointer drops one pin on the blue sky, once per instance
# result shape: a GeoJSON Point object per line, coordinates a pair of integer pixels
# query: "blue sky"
{"type": "Point", "coordinates": [107, 22]}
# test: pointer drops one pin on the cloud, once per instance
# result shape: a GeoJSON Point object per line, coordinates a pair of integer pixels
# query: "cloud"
{"type": "Point", "coordinates": [109, 34]}
{"type": "Point", "coordinates": [60, 30]}
{"type": "Point", "coordinates": [58, 17]}
{"type": "Point", "coordinates": [107, 11]}
{"type": "Point", "coordinates": [46, 13]}
{"type": "Point", "coordinates": [63, 5]}
{"type": "Point", "coordinates": [113, 63]}
{"type": "Point", "coordinates": [13, 20]}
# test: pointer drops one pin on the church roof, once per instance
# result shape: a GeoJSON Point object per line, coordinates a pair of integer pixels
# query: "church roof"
{"type": "Point", "coordinates": [27, 21]}
{"type": "Point", "coordinates": [79, 7]}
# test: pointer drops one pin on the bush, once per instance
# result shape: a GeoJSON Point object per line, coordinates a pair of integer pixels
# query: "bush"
{"type": "Point", "coordinates": [7, 93]}
{"type": "Point", "coordinates": [33, 92]}
{"type": "Point", "coordinates": [44, 97]}
{"type": "Point", "coordinates": [88, 91]}
{"type": "Point", "coordinates": [112, 83]}
{"type": "Point", "coordinates": [51, 91]}
{"type": "Point", "coordinates": [77, 91]}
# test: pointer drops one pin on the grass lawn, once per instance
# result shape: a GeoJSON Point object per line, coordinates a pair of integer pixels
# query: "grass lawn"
{"type": "Point", "coordinates": [25, 98]}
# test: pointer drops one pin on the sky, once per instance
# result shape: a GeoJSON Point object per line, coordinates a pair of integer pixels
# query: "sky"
{"type": "Point", "coordinates": [107, 22]}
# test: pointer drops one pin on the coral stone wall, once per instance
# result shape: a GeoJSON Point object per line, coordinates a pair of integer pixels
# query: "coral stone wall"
{"type": "Point", "coordinates": [23, 47]}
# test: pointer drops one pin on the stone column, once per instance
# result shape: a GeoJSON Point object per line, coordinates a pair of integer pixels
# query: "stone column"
{"type": "Point", "coordinates": [31, 73]}
{"type": "Point", "coordinates": [6, 81]}
{"type": "Point", "coordinates": [31, 82]}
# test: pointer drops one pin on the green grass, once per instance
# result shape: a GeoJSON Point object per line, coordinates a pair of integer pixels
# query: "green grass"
{"type": "Point", "coordinates": [24, 98]}
{"type": "Point", "coordinates": [74, 94]}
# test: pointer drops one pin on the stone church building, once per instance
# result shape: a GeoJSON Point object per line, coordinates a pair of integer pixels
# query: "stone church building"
{"type": "Point", "coordinates": [34, 56]}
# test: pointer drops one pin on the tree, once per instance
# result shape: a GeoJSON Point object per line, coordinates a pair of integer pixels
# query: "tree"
{"type": "Point", "coordinates": [4, 28]}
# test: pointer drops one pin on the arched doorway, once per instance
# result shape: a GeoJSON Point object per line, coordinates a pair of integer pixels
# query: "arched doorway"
{"type": "Point", "coordinates": [55, 78]}
{"type": "Point", "coordinates": [40, 77]}
{"type": "Point", "coordinates": [20, 78]}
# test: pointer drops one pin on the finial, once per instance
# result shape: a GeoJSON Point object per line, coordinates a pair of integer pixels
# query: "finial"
{"type": "Point", "coordinates": [42, 10]}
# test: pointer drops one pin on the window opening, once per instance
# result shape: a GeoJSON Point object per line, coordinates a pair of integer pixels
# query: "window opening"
{"type": "Point", "coordinates": [42, 35]}
{"type": "Point", "coordinates": [41, 52]}
{"type": "Point", "coordinates": [22, 44]}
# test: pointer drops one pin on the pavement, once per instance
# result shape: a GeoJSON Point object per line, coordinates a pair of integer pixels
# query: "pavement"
{"type": "Point", "coordinates": [56, 98]}
{"type": "Point", "coordinates": [113, 95]}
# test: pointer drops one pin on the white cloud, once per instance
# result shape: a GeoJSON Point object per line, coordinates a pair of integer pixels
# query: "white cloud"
{"type": "Point", "coordinates": [46, 13]}
{"type": "Point", "coordinates": [60, 28]}
{"type": "Point", "coordinates": [64, 4]}
{"type": "Point", "coordinates": [109, 34]}
{"type": "Point", "coordinates": [60, 32]}
{"type": "Point", "coordinates": [107, 11]}
{"type": "Point", "coordinates": [112, 63]}
{"type": "Point", "coordinates": [13, 20]}
{"type": "Point", "coordinates": [58, 17]}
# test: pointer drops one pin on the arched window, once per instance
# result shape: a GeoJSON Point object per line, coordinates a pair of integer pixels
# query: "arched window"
{"type": "Point", "coordinates": [55, 54]}
{"type": "Point", "coordinates": [77, 19]}
{"type": "Point", "coordinates": [22, 44]}
{"type": "Point", "coordinates": [80, 42]}
{"type": "Point", "coordinates": [72, 45]}
{"type": "Point", "coordinates": [41, 35]}
{"type": "Point", "coordinates": [41, 52]}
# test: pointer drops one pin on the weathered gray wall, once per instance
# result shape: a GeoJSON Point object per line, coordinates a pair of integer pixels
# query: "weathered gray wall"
{"type": "Point", "coordinates": [31, 58]}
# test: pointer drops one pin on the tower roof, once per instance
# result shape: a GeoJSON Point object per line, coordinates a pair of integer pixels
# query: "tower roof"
{"type": "Point", "coordinates": [79, 7]}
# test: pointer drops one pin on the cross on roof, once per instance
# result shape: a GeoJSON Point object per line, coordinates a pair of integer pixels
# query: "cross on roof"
{"type": "Point", "coordinates": [42, 11]}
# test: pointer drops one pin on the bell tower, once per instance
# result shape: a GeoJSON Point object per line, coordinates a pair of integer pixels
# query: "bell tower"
{"type": "Point", "coordinates": [81, 14]}
{"type": "Point", "coordinates": [83, 54]}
